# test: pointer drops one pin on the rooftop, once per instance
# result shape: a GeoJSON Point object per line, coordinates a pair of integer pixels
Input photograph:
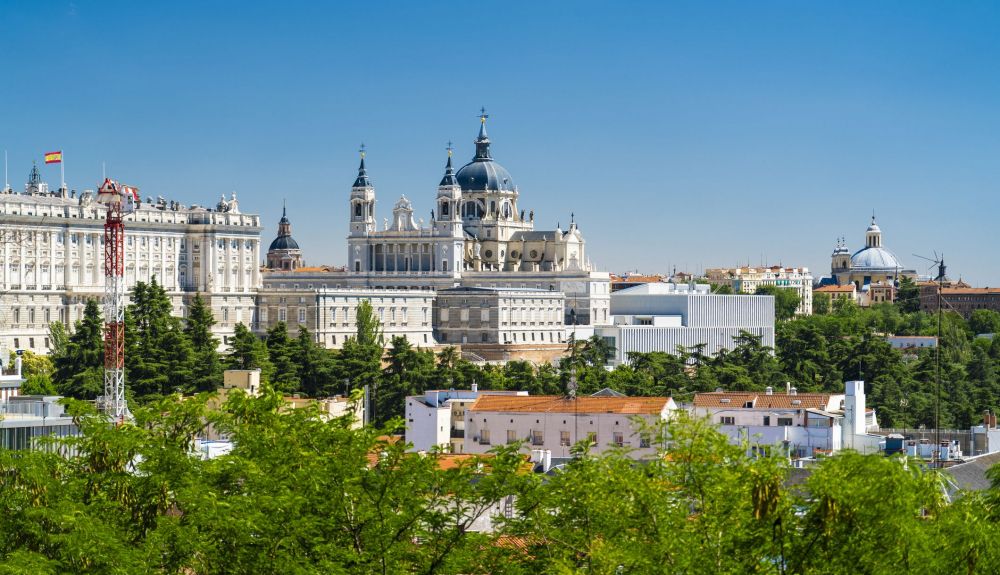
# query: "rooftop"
{"type": "Point", "coordinates": [738, 399]}
{"type": "Point", "coordinates": [562, 404]}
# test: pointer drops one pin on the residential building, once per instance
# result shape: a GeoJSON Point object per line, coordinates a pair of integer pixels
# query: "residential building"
{"type": "Point", "coordinates": [502, 323]}
{"type": "Point", "coordinates": [847, 292]}
{"type": "Point", "coordinates": [52, 258]}
{"type": "Point", "coordinates": [747, 279]}
{"type": "Point", "coordinates": [330, 407]}
{"type": "Point", "coordinates": [557, 423]}
{"type": "Point", "coordinates": [800, 424]}
{"type": "Point", "coordinates": [959, 297]}
{"type": "Point", "coordinates": [25, 419]}
{"type": "Point", "coordinates": [626, 281]}
{"type": "Point", "coordinates": [663, 316]}
{"type": "Point", "coordinates": [437, 418]}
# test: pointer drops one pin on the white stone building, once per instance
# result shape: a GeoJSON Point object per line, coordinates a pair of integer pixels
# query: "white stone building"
{"type": "Point", "coordinates": [478, 315]}
{"type": "Point", "coordinates": [800, 424]}
{"type": "Point", "coordinates": [437, 418]}
{"type": "Point", "coordinates": [477, 235]}
{"type": "Point", "coordinates": [52, 258]}
{"type": "Point", "coordinates": [662, 316]}
{"type": "Point", "coordinates": [748, 279]}
{"type": "Point", "coordinates": [555, 423]}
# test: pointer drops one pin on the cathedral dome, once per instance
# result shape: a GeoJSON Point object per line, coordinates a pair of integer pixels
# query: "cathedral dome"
{"type": "Point", "coordinates": [283, 243]}
{"type": "Point", "coordinates": [875, 259]}
{"type": "Point", "coordinates": [482, 173]}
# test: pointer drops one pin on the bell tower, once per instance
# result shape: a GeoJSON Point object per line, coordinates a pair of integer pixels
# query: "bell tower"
{"type": "Point", "coordinates": [449, 201]}
{"type": "Point", "coordinates": [362, 202]}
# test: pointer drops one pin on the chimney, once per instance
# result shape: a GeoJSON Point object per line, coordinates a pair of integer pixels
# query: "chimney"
{"type": "Point", "coordinates": [769, 390]}
{"type": "Point", "coordinates": [788, 387]}
{"type": "Point", "coordinates": [793, 391]}
{"type": "Point", "coordinates": [475, 387]}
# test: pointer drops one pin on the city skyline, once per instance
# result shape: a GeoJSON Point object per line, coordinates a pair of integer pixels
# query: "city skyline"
{"type": "Point", "coordinates": [678, 136]}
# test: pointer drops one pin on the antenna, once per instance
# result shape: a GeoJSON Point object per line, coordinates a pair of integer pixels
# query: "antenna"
{"type": "Point", "coordinates": [939, 262]}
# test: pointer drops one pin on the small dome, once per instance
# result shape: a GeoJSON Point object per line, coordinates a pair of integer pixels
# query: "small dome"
{"type": "Point", "coordinates": [484, 174]}
{"type": "Point", "coordinates": [875, 259]}
{"type": "Point", "coordinates": [283, 243]}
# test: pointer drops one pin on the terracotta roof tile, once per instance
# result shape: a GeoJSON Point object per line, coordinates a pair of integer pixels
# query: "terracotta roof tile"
{"type": "Point", "coordinates": [763, 401]}
{"type": "Point", "coordinates": [560, 404]}
{"type": "Point", "coordinates": [834, 289]}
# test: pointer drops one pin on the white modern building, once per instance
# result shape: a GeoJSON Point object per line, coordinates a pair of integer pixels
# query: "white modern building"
{"type": "Point", "coordinates": [662, 316]}
{"type": "Point", "coordinates": [52, 258]}
{"type": "Point", "coordinates": [437, 418]}
{"type": "Point", "coordinates": [748, 279]}
{"type": "Point", "coordinates": [556, 423]}
{"type": "Point", "coordinates": [26, 419]}
{"type": "Point", "coordinates": [800, 424]}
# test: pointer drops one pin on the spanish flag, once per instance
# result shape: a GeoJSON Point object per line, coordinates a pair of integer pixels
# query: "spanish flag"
{"type": "Point", "coordinates": [53, 157]}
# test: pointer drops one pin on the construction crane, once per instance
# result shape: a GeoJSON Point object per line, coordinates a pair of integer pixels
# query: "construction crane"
{"type": "Point", "coordinates": [119, 200]}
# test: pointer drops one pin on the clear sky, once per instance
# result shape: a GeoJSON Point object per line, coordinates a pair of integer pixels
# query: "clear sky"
{"type": "Point", "coordinates": [695, 134]}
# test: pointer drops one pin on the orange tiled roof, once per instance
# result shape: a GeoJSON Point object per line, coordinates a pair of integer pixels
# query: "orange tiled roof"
{"type": "Point", "coordinates": [834, 289]}
{"type": "Point", "coordinates": [560, 404]}
{"type": "Point", "coordinates": [762, 401]}
{"type": "Point", "coordinates": [636, 279]}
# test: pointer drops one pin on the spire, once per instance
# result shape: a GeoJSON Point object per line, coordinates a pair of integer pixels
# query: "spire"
{"type": "Point", "coordinates": [284, 226]}
{"type": "Point", "coordinates": [362, 181]}
{"type": "Point", "coordinates": [449, 172]}
{"type": "Point", "coordinates": [483, 141]}
{"type": "Point", "coordinates": [284, 213]}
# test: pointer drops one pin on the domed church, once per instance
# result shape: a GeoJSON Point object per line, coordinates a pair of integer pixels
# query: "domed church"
{"type": "Point", "coordinates": [284, 253]}
{"type": "Point", "coordinates": [476, 226]}
{"type": "Point", "coordinates": [872, 265]}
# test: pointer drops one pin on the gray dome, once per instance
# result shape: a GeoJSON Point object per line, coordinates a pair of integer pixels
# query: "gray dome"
{"type": "Point", "coordinates": [484, 174]}
{"type": "Point", "coordinates": [283, 243]}
{"type": "Point", "coordinates": [875, 259]}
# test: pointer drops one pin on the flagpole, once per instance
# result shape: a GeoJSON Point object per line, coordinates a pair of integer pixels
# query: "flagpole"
{"type": "Point", "coordinates": [62, 173]}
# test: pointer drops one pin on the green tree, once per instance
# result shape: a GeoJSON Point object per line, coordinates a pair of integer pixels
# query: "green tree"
{"type": "Point", "coordinates": [207, 367]}
{"type": "Point", "coordinates": [908, 295]}
{"type": "Point", "coordinates": [280, 352]}
{"type": "Point", "coordinates": [37, 371]}
{"type": "Point", "coordinates": [786, 300]}
{"type": "Point", "coordinates": [984, 321]}
{"type": "Point", "coordinates": [821, 303]}
{"type": "Point", "coordinates": [79, 368]}
{"type": "Point", "coordinates": [159, 359]}
{"type": "Point", "coordinates": [316, 367]}
{"type": "Point", "coordinates": [247, 351]}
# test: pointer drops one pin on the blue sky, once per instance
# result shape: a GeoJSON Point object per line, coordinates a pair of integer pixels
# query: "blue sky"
{"type": "Point", "coordinates": [694, 134]}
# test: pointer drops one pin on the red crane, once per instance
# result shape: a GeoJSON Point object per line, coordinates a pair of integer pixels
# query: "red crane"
{"type": "Point", "coordinates": [119, 199]}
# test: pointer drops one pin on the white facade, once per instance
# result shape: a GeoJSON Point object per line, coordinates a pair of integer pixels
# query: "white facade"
{"type": "Point", "coordinates": [662, 316]}
{"type": "Point", "coordinates": [468, 315]}
{"type": "Point", "coordinates": [800, 424]}
{"type": "Point", "coordinates": [748, 279]}
{"type": "Point", "coordinates": [437, 418]}
{"type": "Point", "coordinates": [52, 259]}
{"type": "Point", "coordinates": [555, 424]}
{"type": "Point", "coordinates": [476, 236]}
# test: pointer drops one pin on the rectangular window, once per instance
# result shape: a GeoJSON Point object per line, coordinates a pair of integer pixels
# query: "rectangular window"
{"type": "Point", "coordinates": [618, 438]}
{"type": "Point", "coordinates": [767, 420]}
{"type": "Point", "coordinates": [282, 314]}
{"type": "Point", "coordinates": [511, 436]}
{"type": "Point", "coordinates": [785, 421]}
{"type": "Point", "coordinates": [444, 315]}
{"type": "Point", "coordinates": [536, 437]}
{"type": "Point", "coordinates": [484, 315]}
{"type": "Point", "coordinates": [484, 437]}
{"type": "Point", "coordinates": [644, 440]}
{"type": "Point", "coordinates": [727, 420]}
{"type": "Point", "coordinates": [564, 438]}
{"type": "Point", "coordinates": [302, 315]}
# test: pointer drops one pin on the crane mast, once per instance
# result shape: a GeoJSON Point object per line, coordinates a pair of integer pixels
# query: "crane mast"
{"type": "Point", "coordinates": [119, 200]}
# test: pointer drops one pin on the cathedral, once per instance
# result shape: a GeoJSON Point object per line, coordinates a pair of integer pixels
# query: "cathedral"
{"type": "Point", "coordinates": [476, 226]}
{"type": "Point", "coordinates": [871, 269]}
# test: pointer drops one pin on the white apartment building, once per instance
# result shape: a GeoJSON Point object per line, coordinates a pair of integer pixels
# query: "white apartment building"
{"type": "Point", "coordinates": [437, 418]}
{"type": "Point", "coordinates": [480, 315]}
{"type": "Point", "coordinates": [801, 424]}
{"type": "Point", "coordinates": [52, 258]}
{"type": "Point", "coordinates": [662, 316]}
{"type": "Point", "coordinates": [748, 279]}
{"type": "Point", "coordinates": [556, 423]}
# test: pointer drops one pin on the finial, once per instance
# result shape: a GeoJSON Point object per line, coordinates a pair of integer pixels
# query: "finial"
{"type": "Point", "coordinates": [873, 215]}
{"type": "Point", "coordinates": [284, 208]}
{"type": "Point", "coordinates": [572, 218]}
{"type": "Point", "coordinates": [449, 148]}
{"type": "Point", "coordinates": [361, 150]}
{"type": "Point", "coordinates": [483, 115]}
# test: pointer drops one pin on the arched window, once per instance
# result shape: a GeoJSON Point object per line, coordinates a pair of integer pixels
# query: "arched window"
{"type": "Point", "coordinates": [357, 210]}
{"type": "Point", "coordinates": [444, 208]}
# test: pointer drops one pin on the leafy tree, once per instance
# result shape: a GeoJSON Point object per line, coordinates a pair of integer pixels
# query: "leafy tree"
{"type": "Point", "coordinates": [280, 353]}
{"type": "Point", "coordinates": [316, 368]}
{"type": "Point", "coordinates": [37, 372]}
{"type": "Point", "coordinates": [79, 368]}
{"type": "Point", "coordinates": [984, 321]}
{"type": "Point", "coordinates": [786, 300]}
{"type": "Point", "coordinates": [908, 295]}
{"type": "Point", "coordinates": [247, 351]}
{"type": "Point", "coordinates": [207, 368]}
{"type": "Point", "coordinates": [821, 303]}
